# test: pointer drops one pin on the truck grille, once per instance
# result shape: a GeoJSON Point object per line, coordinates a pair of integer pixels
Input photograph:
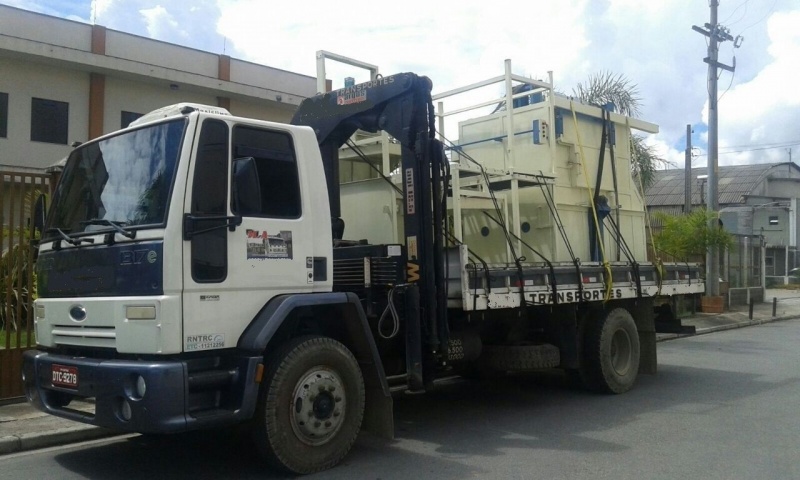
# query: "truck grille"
{"type": "Point", "coordinates": [103, 337]}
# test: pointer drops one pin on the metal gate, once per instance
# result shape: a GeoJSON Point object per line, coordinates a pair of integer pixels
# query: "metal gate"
{"type": "Point", "coordinates": [18, 195]}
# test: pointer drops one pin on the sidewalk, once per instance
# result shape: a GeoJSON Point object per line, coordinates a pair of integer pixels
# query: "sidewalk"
{"type": "Point", "coordinates": [24, 428]}
{"type": "Point", "coordinates": [787, 307]}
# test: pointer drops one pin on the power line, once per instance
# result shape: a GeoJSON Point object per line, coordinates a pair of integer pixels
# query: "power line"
{"type": "Point", "coordinates": [743, 4]}
{"type": "Point", "coordinates": [753, 149]}
{"type": "Point", "coordinates": [771, 9]}
{"type": "Point", "coordinates": [769, 144]}
{"type": "Point", "coordinates": [733, 74]}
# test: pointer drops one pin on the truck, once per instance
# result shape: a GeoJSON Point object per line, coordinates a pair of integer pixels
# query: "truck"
{"type": "Point", "coordinates": [195, 271]}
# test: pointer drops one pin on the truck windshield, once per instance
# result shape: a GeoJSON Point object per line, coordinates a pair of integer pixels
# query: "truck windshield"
{"type": "Point", "coordinates": [125, 180]}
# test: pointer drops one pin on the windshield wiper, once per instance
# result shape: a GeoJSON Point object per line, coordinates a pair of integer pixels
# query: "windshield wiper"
{"type": "Point", "coordinates": [68, 239]}
{"type": "Point", "coordinates": [115, 225]}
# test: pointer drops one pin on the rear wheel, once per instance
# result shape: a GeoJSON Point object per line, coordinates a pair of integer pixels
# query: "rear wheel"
{"type": "Point", "coordinates": [310, 405]}
{"type": "Point", "coordinates": [610, 361]}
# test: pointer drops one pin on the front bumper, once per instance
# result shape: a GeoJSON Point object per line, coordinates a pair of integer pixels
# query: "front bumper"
{"type": "Point", "coordinates": [166, 406]}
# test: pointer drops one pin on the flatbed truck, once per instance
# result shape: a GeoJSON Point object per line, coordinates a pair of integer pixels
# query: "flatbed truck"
{"type": "Point", "coordinates": [194, 272]}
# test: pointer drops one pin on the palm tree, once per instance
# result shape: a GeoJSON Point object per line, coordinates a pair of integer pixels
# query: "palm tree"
{"type": "Point", "coordinates": [605, 87]}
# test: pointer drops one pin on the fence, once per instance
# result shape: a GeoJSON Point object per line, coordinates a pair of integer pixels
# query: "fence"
{"type": "Point", "coordinates": [780, 264]}
{"type": "Point", "coordinates": [743, 269]}
{"type": "Point", "coordinates": [18, 195]}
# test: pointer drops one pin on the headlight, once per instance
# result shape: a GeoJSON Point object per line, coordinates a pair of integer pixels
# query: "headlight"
{"type": "Point", "coordinates": [140, 313]}
{"type": "Point", "coordinates": [141, 386]}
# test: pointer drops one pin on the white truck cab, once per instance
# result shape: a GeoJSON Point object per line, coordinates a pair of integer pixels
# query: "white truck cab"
{"type": "Point", "coordinates": [140, 217]}
{"type": "Point", "coordinates": [164, 243]}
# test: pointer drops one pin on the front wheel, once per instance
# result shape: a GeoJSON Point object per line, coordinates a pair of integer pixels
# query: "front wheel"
{"type": "Point", "coordinates": [310, 405]}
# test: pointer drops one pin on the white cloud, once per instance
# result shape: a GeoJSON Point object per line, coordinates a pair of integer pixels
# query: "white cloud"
{"type": "Point", "coordinates": [185, 23]}
{"type": "Point", "coordinates": [674, 158]}
{"type": "Point", "coordinates": [99, 8]}
{"type": "Point", "coordinates": [766, 109]}
{"type": "Point", "coordinates": [453, 46]}
{"type": "Point", "coordinates": [160, 22]}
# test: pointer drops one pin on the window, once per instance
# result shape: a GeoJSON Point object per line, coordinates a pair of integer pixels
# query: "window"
{"type": "Point", "coordinates": [49, 121]}
{"type": "Point", "coordinates": [3, 115]}
{"type": "Point", "coordinates": [276, 168]}
{"type": "Point", "coordinates": [209, 195]}
{"type": "Point", "coordinates": [127, 117]}
{"type": "Point", "coordinates": [773, 219]}
{"type": "Point", "coordinates": [125, 178]}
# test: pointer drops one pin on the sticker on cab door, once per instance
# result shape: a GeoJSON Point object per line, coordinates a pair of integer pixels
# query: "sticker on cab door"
{"type": "Point", "coordinates": [205, 341]}
{"type": "Point", "coordinates": [262, 245]}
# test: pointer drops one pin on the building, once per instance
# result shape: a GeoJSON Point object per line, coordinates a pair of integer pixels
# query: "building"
{"type": "Point", "coordinates": [65, 81]}
{"type": "Point", "coordinates": [758, 200]}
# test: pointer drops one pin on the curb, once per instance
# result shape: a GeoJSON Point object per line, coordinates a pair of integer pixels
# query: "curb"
{"type": "Point", "coordinates": [61, 436]}
{"type": "Point", "coordinates": [720, 328]}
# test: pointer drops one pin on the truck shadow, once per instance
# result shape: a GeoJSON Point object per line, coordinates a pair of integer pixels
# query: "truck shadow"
{"type": "Point", "coordinates": [435, 433]}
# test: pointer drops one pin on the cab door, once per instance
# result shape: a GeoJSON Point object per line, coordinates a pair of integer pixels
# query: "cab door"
{"type": "Point", "coordinates": [249, 237]}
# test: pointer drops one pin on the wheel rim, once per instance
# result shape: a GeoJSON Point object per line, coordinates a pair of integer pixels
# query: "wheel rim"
{"type": "Point", "coordinates": [318, 406]}
{"type": "Point", "coordinates": [621, 352]}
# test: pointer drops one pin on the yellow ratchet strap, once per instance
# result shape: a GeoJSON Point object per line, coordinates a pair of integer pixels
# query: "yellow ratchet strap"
{"type": "Point", "coordinates": [609, 281]}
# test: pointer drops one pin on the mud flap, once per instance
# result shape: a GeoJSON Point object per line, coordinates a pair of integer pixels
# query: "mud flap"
{"type": "Point", "coordinates": [379, 413]}
{"type": "Point", "coordinates": [648, 359]}
{"type": "Point", "coordinates": [644, 317]}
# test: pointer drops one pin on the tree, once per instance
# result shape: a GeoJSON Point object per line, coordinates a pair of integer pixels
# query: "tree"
{"type": "Point", "coordinates": [689, 237]}
{"type": "Point", "coordinates": [16, 272]}
{"type": "Point", "coordinates": [605, 87]}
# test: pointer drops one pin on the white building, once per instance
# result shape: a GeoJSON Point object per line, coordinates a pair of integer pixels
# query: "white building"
{"type": "Point", "coordinates": [64, 81]}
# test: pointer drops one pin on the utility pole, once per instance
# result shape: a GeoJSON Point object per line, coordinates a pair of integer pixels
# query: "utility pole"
{"type": "Point", "coordinates": [715, 34]}
{"type": "Point", "coordinates": [687, 185]}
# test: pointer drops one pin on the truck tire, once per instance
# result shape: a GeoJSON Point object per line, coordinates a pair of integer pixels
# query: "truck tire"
{"type": "Point", "coordinates": [310, 405]}
{"type": "Point", "coordinates": [521, 357]}
{"type": "Point", "coordinates": [610, 360]}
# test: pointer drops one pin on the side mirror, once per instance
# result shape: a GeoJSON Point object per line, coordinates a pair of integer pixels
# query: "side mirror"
{"type": "Point", "coordinates": [246, 189]}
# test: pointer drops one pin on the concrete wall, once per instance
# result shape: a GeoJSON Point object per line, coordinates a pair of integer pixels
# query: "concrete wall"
{"type": "Point", "coordinates": [249, 73]}
{"type": "Point", "coordinates": [754, 218]}
{"type": "Point", "coordinates": [138, 97]}
{"type": "Point", "coordinates": [261, 110]}
{"type": "Point", "coordinates": [50, 30]}
{"type": "Point", "coordinates": [742, 296]}
{"type": "Point", "coordinates": [153, 52]}
{"type": "Point", "coordinates": [783, 187]}
{"type": "Point", "coordinates": [774, 234]}
{"type": "Point", "coordinates": [781, 181]}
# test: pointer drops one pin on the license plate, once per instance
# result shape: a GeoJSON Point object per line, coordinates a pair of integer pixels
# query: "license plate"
{"type": "Point", "coordinates": [66, 377]}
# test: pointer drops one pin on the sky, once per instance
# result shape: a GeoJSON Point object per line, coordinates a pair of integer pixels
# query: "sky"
{"type": "Point", "coordinates": [650, 42]}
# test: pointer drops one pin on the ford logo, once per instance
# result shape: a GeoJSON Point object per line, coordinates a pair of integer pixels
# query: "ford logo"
{"type": "Point", "coordinates": [78, 313]}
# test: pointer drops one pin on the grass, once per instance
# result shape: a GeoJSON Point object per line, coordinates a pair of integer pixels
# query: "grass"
{"type": "Point", "coordinates": [13, 336]}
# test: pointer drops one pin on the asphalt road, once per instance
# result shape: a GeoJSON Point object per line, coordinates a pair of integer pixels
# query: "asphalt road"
{"type": "Point", "coordinates": [723, 406]}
